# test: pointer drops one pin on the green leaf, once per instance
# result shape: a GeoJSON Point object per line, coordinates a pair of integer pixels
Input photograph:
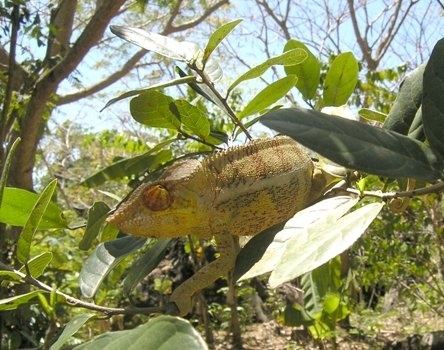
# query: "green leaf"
{"type": "Point", "coordinates": [324, 213]}
{"type": "Point", "coordinates": [250, 255]}
{"type": "Point", "coordinates": [160, 333]}
{"type": "Point", "coordinates": [217, 37]}
{"type": "Point", "coordinates": [145, 264]}
{"type": "Point", "coordinates": [433, 99]}
{"type": "Point", "coordinates": [71, 328]}
{"type": "Point", "coordinates": [269, 95]}
{"type": "Point", "coordinates": [340, 80]}
{"type": "Point", "coordinates": [370, 115]}
{"type": "Point", "coordinates": [182, 80]}
{"type": "Point", "coordinates": [38, 264]}
{"type": "Point", "coordinates": [357, 145]}
{"type": "Point", "coordinates": [153, 108]}
{"type": "Point", "coordinates": [102, 261]}
{"type": "Point", "coordinates": [163, 45]}
{"type": "Point", "coordinates": [14, 302]}
{"type": "Point", "coordinates": [9, 276]}
{"type": "Point", "coordinates": [129, 167]}
{"type": "Point", "coordinates": [308, 71]}
{"type": "Point", "coordinates": [18, 203]}
{"type": "Point", "coordinates": [97, 215]}
{"type": "Point", "coordinates": [291, 57]}
{"type": "Point", "coordinates": [193, 118]}
{"type": "Point", "coordinates": [6, 166]}
{"type": "Point", "coordinates": [407, 102]}
{"type": "Point", "coordinates": [315, 246]}
{"type": "Point", "coordinates": [32, 224]}
{"type": "Point", "coordinates": [331, 303]}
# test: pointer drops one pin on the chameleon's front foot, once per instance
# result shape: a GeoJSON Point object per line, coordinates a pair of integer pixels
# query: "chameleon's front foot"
{"type": "Point", "coordinates": [179, 305]}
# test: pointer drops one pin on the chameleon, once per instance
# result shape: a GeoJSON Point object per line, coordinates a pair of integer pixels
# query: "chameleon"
{"type": "Point", "coordinates": [240, 191]}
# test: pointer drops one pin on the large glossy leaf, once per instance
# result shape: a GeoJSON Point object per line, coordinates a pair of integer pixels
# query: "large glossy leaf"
{"type": "Point", "coordinates": [160, 333]}
{"type": "Point", "coordinates": [291, 57]}
{"type": "Point", "coordinates": [97, 215]}
{"type": "Point", "coordinates": [407, 102]}
{"type": "Point", "coordinates": [324, 213]}
{"type": "Point", "coordinates": [356, 145]}
{"type": "Point", "coordinates": [145, 264]}
{"type": "Point", "coordinates": [269, 95]}
{"type": "Point", "coordinates": [193, 118]}
{"type": "Point", "coordinates": [71, 328]}
{"type": "Point", "coordinates": [186, 79]}
{"type": "Point", "coordinates": [315, 246]}
{"type": "Point", "coordinates": [217, 37]}
{"type": "Point", "coordinates": [129, 167]}
{"type": "Point", "coordinates": [340, 80]}
{"type": "Point", "coordinates": [433, 99]}
{"type": "Point", "coordinates": [32, 224]}
{"type": "Point", "coordinates": [14, 302]}
{"type": "Point", "coordinates": [153, 108]}
{"type": "Point", "coordinates": [308, 71]}
{"type": "Point", "coordinates": [102, 261]}
{"type": "Point", "coordinates": [163, 45]}
{"type": "Point", "coordinates": [18, 203]}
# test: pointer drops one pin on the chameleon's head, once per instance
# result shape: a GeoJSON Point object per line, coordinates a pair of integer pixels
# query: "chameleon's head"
{"type": "Point", "coordinates": [175, 205]}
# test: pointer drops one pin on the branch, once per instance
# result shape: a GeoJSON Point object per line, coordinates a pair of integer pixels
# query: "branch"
{"type": "Point", "coordinates": [173, 29]}
{"type": "Point", "coordinates": [436, 188]}
{"type": "Point", "coordinates": [15, 24]}
{"type": "Point", "coordinates": [72, 301]}
{"type": "Point", "coordinates": [363, 44]}
{"type": "Point", "coordinates": [281, 23]}
{"type": "Point", "coordinates": [111, 79]}
{"type": "Point", "coordinates": [130, 64]}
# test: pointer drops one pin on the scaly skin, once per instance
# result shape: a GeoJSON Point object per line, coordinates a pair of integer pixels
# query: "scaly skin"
{"type": "Point", "coordinates": [237, 192]}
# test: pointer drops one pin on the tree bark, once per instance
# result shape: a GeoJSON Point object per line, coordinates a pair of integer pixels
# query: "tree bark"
{"type": "Point", "coordinates": [39, 106]}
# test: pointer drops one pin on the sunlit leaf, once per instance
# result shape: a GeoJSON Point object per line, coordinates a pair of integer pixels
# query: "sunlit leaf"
{"type": "Point", "coordinates": [371, 115]}
{"type": "Point", "coordinates": [102, 261]}
{"type": "Point", "coordinates": [324, 213]}
{"type": "Point", "coordinates": [182, 80]}
{"type": "Point", "coordinates": [433, 99]}
{"type": "Point", "coordinates": [311, 248]}
{"type": "Point", "coordinates": [308, 71]}
{"type": "Point", "coordinates": [193, 118]}
{"type": "Point", "coordinates": [71, 328]}
{"type": "Point", "coordinates": [14, 302]}
{"type": "Point", "coordinates": [145, 264]}
{"type": "Point", "coordinates": [272, 93]}
{"type": "Point", "coordinates": [163, 45]}
{"type": "Point", "coordinates": [153, 108]}
{"type": "Point", "coordinates": [340, 80]}
{"type": "Point", "coordinates": [356, 145]}
{"type": "Point", "coordinates": [18, 203]}
{"type": "Point", "coordinates": [291, 57]}
{"type": "Point", "coordinates": [38, 264]}
{"type": "Point", "coordinates": [159, 333]}
{"type": "Point", "coordinates": [32, 224]}
{"type": "Point", "coordinates": [217, 37]}
{"type": "Point", "coordinates": [97, 215]}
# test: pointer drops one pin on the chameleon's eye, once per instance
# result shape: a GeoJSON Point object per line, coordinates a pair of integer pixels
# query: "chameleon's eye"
{"type": "Point", "coordinates": [157, 197]}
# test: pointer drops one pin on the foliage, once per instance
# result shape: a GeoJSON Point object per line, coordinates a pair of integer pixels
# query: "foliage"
{"type": "Point", "coordinates": [308, 246]}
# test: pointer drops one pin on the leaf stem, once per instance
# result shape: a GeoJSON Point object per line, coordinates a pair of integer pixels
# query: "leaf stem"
{"type": "Point", "coordinates": [223, 100]}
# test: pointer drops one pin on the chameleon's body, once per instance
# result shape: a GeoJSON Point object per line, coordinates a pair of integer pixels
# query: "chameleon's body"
{"type": "Point", "coordinates": [237, 192]}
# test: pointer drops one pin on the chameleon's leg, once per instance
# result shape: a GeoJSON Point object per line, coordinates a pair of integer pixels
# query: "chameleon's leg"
{"type": "Point", "coordinates": [182, 295]}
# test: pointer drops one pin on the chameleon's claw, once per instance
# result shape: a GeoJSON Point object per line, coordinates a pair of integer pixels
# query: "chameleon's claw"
{"type": "Point", "coordinates": [179, 305]}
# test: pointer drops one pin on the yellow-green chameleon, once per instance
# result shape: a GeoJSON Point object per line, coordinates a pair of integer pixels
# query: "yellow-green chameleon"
{"type": "Point", "coordinates": [240, 191]}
